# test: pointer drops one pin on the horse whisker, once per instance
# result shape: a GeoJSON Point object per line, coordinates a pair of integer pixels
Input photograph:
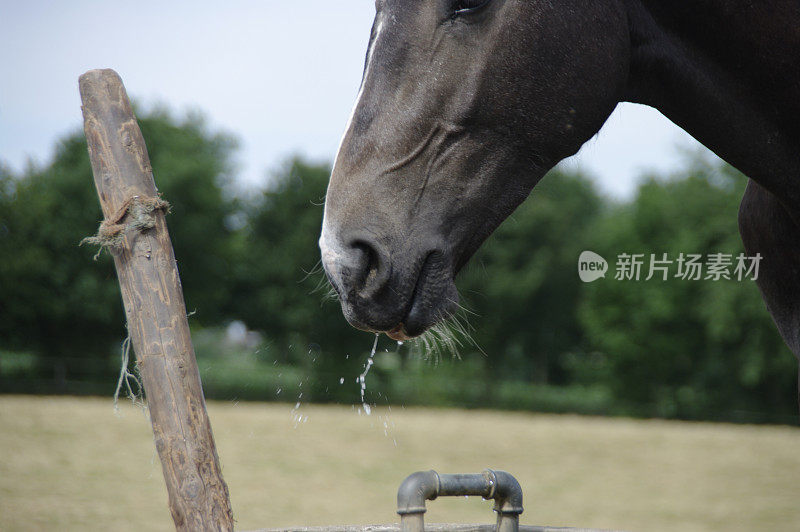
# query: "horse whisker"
{"type": "Point", "coordinates": [315, 270]}
{"type": "Point", "coordinates": [450, 335]}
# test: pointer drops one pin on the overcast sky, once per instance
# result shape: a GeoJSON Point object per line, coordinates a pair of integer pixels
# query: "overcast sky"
{"type": "Point", "coordinates": [281, 76]}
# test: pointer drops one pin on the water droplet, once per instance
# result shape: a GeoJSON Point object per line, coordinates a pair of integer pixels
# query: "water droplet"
{"type": "Point", "coordinates": [362, 379]}
{"type": "Point", "coordinates": [297, 417]}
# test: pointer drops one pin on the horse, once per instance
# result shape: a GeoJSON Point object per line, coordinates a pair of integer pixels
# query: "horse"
{"type": "Point", "coordinates": [465, 104]}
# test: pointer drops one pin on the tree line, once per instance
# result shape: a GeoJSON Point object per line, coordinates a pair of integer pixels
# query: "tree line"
{"type": "Point", "coordinates": [538, 337]}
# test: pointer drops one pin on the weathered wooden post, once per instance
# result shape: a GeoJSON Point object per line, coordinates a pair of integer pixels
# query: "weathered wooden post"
{"type": "Point", "coordinates": [135, 232]}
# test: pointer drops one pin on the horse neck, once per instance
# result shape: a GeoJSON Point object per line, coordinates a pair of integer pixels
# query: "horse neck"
{"type": "Point", "coordinates": [726, 71]}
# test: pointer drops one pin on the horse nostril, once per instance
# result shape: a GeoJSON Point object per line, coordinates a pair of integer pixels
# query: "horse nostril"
{"type": "Point", "coordinates": [368, 262]}
{"type": "Point", "coordinates": [372, 267]}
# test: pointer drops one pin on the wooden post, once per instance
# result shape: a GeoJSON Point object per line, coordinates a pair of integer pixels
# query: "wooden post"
{"type": "Point", "coordinates": [154, 306]}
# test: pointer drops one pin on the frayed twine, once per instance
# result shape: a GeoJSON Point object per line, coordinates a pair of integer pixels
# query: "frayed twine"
{"type": "Point", "coordinates": [125, 378]}
{"type": "Point", "coordinates": [111, 234]}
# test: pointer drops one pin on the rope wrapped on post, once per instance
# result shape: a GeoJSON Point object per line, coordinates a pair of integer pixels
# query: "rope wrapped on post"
{"type": "Point", "coordinates": [111, 233]}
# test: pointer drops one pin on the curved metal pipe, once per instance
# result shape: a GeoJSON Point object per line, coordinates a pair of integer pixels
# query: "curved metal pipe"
{"type": "Point", "coordinates": [507, 501]}
{"type": "Point", "coordinates": [428, 485]}
{"type": "Point", "coordinates": [415, 490]}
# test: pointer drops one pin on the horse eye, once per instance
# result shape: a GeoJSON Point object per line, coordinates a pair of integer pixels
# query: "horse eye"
{"type": "Point", "coordinates": [464, 6]}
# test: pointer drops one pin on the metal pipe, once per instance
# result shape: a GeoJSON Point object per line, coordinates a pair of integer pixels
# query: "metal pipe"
{"type": "Point", "coordinates": [428, 485]}
{"type": "Point", "coordinates": [507, 501]}
{"type": "Point", "coordinates": [412, 523]}
{"type": "Point", "coordinates": [461, 485]}
{"type": "Point", "coordinates": [411, 496]}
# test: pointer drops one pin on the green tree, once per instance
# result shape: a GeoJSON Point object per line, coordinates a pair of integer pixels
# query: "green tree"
{"type": "Point", "coordinates": [280, 288]}
{"type": "Point", "coordinates": [692, 349]}
{"type": "Point", "coordinates": [522, 286]}
{"type": "Point", "coordinates": [53, 299]}
{"type": "Point", "coordinates": [56, 302]}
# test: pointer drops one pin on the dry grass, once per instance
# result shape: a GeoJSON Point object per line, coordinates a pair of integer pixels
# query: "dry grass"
{"type": "Point", "coordinates": [72, 464]}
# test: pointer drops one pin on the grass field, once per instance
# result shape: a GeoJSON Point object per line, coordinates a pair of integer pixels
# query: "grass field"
{"type": "Point", "coordinates": [73, 464]}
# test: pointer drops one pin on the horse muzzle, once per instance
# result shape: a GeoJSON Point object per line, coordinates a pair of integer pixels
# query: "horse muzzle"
{"type": "Point", "coordinates": [387, 288]}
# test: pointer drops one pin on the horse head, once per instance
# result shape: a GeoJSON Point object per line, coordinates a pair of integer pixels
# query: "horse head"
{"type": "Point", "coordinates": [464, 105]}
